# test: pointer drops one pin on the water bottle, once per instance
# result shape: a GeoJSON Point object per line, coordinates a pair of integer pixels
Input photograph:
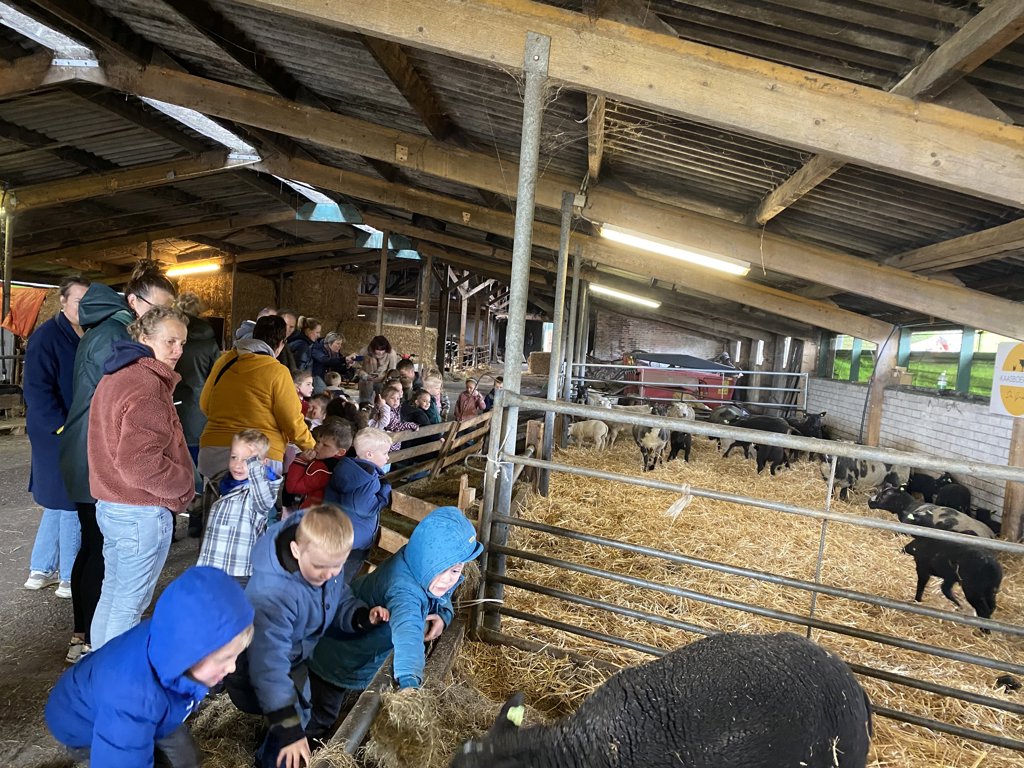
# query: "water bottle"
{"type": "Point", "coordinates": [942, 380]}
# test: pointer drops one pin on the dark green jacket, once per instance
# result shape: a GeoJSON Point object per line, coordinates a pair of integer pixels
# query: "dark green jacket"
{"type": "Point", "coordinates": [105, 315]}
{"type": "Point", "coordinates": [200, 353]}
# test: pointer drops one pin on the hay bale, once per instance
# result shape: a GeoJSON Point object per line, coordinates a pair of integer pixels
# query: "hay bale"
{"type": "Point", "coordinates": [326, 294]}
{"type": "Point", "coordinates": [252, 293]}
{"type": "Point", "coordinates": [50, 307]}
{"type": "Point", "coordinates": [855, 558]}
{"type": "Point", "coordinates": [539, 363]}
{"type": "Point", "coordinates": [214, 290]}
{"type": "Point", "coordinates": [404, 338]}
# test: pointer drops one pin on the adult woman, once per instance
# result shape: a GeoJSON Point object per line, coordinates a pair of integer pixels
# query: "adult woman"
{"type": "Point", "coordinates": [49, 369]}
{"type": "Point", "coordinates": [249, 389]}
{"type": "Point", "coordinates": [196, 362]}
{"type": "Point", "coordinates": [105, 316]}
{"type": "Point", "coordinates": [140, 469]}
{"type": "Point", "coordinates": [327, 356]}
{"type": "Point", "coordinates": [377, 359]}
{"type": "Point", "coordinates": [302, 345]}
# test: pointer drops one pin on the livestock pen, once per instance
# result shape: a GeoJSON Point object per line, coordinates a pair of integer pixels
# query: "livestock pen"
{"type": "Point", "coordinates": [595, 571]}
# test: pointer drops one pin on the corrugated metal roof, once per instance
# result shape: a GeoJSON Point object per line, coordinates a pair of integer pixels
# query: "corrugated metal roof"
{"type": "Point", "coordinates": [865, 212]}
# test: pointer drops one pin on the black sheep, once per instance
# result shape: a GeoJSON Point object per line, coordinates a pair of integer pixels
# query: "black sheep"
{"type": "Point", "coordinates": [775, 455]}
{"type": "Point", "coordinates": [727, 701]}
{"type": "Point", "coordinates": [926, 485]}
{"type": "Point", "coordinates": [954, 496]}
{"type": "Point", "coordinates": [977, 571]}
{"type": "Point", "coordinates": [913, 512]}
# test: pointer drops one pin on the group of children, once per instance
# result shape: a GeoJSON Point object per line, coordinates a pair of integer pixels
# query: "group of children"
{"type": "Point", "coordinates": [307, 634]}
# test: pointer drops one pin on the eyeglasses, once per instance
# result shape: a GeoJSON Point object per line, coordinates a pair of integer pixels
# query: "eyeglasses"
{"type": "Point", "coordinates": [138, 296]}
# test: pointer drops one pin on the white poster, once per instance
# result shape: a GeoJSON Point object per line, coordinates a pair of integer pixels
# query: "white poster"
{"type": "Point", "coordinates": [1008, 380]}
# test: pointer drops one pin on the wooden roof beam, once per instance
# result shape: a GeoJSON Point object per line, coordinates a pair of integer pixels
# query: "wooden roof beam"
{"type": "Point", "coordinates": [814, 263]}
{"type": "Point", "coordinates": [31, 73]}
{"type": "Point", "coordinates": [414, 89]}
{"type": "Point", "coordinates": [56, 252]}
{"type": "Point", "coordinates": [328, 246]}
{"type": "Point", "coordinates": [925, 142]}
{"type": "Point", "coordinates": [678, 225]}
{"type": "Point", "coordinates": [995, 27]}
{"type": "Point", "coordinates": [547, 236]}
{"type": "Point", "coordinates": [123, 180]}
{"type": "Point", "coordinates": [975, 248]}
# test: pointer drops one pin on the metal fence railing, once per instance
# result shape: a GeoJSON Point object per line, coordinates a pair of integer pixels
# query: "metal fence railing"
{"type": "Point", "coordinates": [497, 520]}
{"type": "Point", "coordinates": [773, 389]}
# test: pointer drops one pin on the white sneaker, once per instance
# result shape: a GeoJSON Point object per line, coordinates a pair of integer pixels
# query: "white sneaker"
{"type": "Point", "coordinates": [77, 648]}
{"type": "Point", "coordinates": [39, 580]}
{"type": "Point", "coordinates": [63, 589]}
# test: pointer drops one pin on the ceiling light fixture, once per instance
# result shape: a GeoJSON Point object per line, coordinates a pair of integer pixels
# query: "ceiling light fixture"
{"type": "Point", "coordinates": [195, 268]}
{"type": "Point", "coordinates": [623, 296]}
{"type": "Point", "coordinates": [672, 250]}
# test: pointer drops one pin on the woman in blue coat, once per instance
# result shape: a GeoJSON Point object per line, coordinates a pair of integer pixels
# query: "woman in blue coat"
{"type": "Point", "coordinates": [49, 380]}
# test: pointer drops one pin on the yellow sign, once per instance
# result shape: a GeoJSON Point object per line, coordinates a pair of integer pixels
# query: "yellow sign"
{"type": "Point", "coordinates": [1008, 380]}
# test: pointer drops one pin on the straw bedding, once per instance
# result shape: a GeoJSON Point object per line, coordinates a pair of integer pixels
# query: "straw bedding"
{"type": "Point", "coordinates": [854, 558]}
{"type": "Point", "coordinates": [423, 729]}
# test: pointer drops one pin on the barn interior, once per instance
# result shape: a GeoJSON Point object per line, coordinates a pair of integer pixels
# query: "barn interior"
{"type": "Point", "coordinates": [850, 170]}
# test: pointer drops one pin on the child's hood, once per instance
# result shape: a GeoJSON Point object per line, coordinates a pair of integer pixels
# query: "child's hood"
{"type": "Point", "coordinates": [355, 473]}
{"type": "Point", "coordinates": [123, 353]}
{"type": "Point", "coordinates": [443, 538]}
{"type": "Point", "coordinates": [99, 303]}
{"type": "Point", "coordinates": [200, 611]}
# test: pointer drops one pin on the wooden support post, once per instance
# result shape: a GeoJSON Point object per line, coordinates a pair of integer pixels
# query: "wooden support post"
{"type": "Point", "coordinates": [885, 361]}
{"type": "Point", "coordinates": [235, 320]}
{"type": "Point", "coordinates": [382, 281]}
{"type": "Point", "coordinates": [1013, 499]}
{"type": "Point", "coordinates": [463, 306]}
{"type": "Point", "coordinates": [476, 332]}
{"type": "Point", "coordinates": [444, 306]}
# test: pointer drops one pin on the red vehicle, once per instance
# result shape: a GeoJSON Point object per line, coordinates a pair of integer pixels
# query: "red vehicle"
{"type": "Point", "coordinates": [665, 377]}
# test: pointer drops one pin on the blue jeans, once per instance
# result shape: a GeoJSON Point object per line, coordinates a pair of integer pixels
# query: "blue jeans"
{"type": "Point", "coordinates": [135, 544]}
{"type": "Point", "coordinates": [57, 542]}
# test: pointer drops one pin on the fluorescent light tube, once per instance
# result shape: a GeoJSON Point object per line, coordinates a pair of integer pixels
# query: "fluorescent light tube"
{"type": "Point", "coordinates": [623, 296]}
{"type": "Point", "coordinates": [665, 248]}
{"type": "Point", "coordinates": [193, 269]}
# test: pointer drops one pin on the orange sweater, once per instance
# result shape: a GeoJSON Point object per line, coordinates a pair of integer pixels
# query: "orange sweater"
{"type": "Point", "coordinates": [254, 393]}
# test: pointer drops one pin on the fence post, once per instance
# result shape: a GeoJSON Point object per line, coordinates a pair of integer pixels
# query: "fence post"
{"type": "Point", "coordinates": [555, 363]}
{"type": "Point", "coordinates": [535, 69]}
{"type": "Point", "coordinates": [570, 342]}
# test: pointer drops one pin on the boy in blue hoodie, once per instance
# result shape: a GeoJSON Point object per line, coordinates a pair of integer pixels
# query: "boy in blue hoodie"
{"type": "Point", "coordinates": [130, 698]}
{"type": "Point", "coordinates": [358, 487]}
{"type": "Point", "coordinates": [298, 597]}
{"type": "Point", "coordinates": [415, 585]}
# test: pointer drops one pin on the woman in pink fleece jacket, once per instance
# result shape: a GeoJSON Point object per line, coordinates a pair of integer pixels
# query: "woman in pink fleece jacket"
{"type": "Point", "coordinates": [140, 470]}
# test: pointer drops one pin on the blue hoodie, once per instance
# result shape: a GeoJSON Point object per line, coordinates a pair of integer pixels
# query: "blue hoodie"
{"type": "Point", "coordinates": [291, 616]}
{"type": "Point", "coordinates": [443, 538]}
{"type": "Point", "coordinates": [357, 487]}
{"type": "Point", "coordinates": [134, 690]}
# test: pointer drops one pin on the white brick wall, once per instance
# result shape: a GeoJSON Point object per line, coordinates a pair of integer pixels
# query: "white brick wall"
{"type": "Point", "coordinates": [913, 421]}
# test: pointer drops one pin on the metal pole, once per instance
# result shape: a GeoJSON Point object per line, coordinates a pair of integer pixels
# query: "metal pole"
{"type": "Point", "coordinates": [8, 224]}
{"type": "Point", "coordinates": [535, 69]}
{"type": "Point", "coordinates": [570, 341]}
{"type": "Point", "coordinates": [425, 308]}
{"type": "Point", "coordinates": [487, 506]}
{"type": "Point", "coordinates": [476, 331]}
{"type": "Point", "coordinates": [580, 355]}
{"type": "Point", "coordinates": [556, 338]}
{"type": "Point", "coordinates": [463, 317]}
{"type": "Point", "coordinates": [382, 280]}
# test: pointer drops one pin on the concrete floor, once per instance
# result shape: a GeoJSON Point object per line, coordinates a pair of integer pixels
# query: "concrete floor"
{"type": "Point", "coordinates": [35, 626]}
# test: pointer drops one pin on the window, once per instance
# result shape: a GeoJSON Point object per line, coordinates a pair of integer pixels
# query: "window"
{"type": "Point", "coordinates": [935, 357]}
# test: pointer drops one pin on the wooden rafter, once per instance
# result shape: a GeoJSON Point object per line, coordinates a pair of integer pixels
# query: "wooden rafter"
{"type": "Point", "coordinates": [974, 248]}
{"type": "Point", "coordinates": [924, 142]}
{"type": "Point", "coordinates": [98, 27]}
{"type": "Point", "coordinates": [396, 65]}
{"type": "Point", "coordinates": [57, 251]}
{"type": "Point", "coordinates": [776, 253]}
{"type": "Point", "coordinates": [995, 27]}
{"type": "Point", "coordinates": [122, 180]}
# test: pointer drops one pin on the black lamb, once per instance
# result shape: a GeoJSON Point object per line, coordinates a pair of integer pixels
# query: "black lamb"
{"type": "Point", "coordinates": [727, 701]}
